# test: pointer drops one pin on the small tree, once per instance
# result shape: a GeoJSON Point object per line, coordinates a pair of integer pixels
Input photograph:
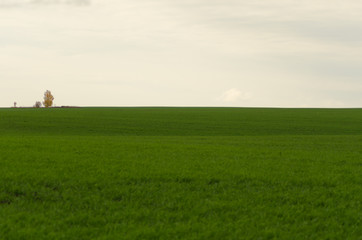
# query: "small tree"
{"type": "Point", "coordinates": [48, 99]}
{"type": "Point", "coordinates": [37, 104]}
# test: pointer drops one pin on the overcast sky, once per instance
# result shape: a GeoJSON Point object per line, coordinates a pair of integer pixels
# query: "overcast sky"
{"type": "Point", "coordinates": [245, 53]}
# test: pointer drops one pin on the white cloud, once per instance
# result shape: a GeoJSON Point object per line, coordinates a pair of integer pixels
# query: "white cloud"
{"type": "Point", "coordinates": [233, 95]}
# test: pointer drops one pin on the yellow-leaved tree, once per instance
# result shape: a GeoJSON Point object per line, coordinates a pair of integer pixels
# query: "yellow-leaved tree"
{"type": "Point", "coordinates": [48, 99]}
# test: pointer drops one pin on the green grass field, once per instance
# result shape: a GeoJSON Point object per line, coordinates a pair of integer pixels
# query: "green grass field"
{"type": "Point", "coordinates": [180, 173]}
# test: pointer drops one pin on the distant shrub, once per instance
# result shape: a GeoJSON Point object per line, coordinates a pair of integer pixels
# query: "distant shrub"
{"type": "Point", "coordinates": [37, 104]}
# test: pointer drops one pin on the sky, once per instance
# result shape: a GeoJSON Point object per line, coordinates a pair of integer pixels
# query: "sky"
{"type": "Point", "coordinates": [237, 53]}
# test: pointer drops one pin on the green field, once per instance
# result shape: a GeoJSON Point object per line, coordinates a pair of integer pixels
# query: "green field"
{"type": "Point", "coordinates": [180, 173]}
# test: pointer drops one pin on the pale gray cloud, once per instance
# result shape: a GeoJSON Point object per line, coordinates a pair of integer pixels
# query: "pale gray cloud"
{"type": "Point", "coordinates": [27, 3]}
{"type": "Point", "coordinates": [182, 52]}
{"type": "Point", "coordinates": [70, 2]}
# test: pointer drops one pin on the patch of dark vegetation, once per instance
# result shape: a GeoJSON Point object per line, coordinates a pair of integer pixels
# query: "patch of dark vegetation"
{"type": "Point", "coordinates": [184, 180]}
{"type": "Point", "coordinates": [17, 193]}
{"type": "Point", "coordinates": [118, 198]}
{"type": "Point", "coordinates": [138, 181]}
{"type": "Point", "coordinates": [213, 181]}
{"type": "Point", "coordinates": [5, 201]}
{"type": "Point", "coordinates": [52, 186]}
{"type": "Point", "coordinates": [67, 107]}
{"type": "Point", "coordinates": [36, 196]}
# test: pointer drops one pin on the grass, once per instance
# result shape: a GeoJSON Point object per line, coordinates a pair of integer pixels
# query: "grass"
{"type": "Point", "coordinates": [180, 173]}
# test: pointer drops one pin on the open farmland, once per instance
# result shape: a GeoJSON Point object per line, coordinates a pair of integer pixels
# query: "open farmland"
{"type": "Point", "coordinates": [180, 173]}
